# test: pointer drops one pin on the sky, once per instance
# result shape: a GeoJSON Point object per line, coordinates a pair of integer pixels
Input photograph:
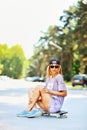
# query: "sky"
{"type": "Point", "coordinates": [21, 21]}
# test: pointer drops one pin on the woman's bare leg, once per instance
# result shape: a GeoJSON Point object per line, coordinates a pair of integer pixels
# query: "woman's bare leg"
{"type": "Point", "coordinates": [30, 93]}
{"type": "Point", "coordinates": [35, 97]}
{"type": "Point", "coordinates": [30, 97]}
{"type": "Point", "coordinates": [45, 101]}
{"type": "Point", "coordinates": [41, 98]}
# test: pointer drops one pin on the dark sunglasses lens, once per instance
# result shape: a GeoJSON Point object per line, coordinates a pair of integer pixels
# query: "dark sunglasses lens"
{"type": "Point", "coordinates": [51, 66]}
{"type": "Point", "coordinates": [54, 67]}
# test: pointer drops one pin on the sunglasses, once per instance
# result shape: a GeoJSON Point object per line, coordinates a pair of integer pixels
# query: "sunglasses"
{"type": "Point", "coordinates": [56, 67]}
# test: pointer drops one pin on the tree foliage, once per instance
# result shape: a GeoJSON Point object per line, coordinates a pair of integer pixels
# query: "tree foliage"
{"type": "Point", "coordinates": [71, 35]}
{"type": "Point", "coordinates": [13, 61]}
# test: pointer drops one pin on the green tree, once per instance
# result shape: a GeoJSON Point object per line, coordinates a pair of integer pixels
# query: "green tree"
{"type": "Point", "coordinates": [19, 63]}
{"type": "Point", "coordinates": [4, 51]}
{"type": "Point", "coordinates": [13, 60]}
{"type": "Point", "coordinates": [81, 34]}
{"type": "Point", "coordinates": [16, 67]}
{"type": "Point", "coordinates": [71, 35]}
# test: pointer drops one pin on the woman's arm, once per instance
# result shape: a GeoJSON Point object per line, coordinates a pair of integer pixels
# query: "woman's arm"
{"type": "Point", "coordinates": [57, 93]}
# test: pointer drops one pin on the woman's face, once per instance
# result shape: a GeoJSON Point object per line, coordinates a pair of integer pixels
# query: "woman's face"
{"type": "Point", "coordinates": [54, 69]}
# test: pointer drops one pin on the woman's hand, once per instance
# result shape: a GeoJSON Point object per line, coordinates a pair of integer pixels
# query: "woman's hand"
{"type": "Point", "coordinates": [45, 90]}
{"type": "Point", "coordinates": [59, 93]}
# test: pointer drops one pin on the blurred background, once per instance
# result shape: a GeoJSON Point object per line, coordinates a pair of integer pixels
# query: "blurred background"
{"type": "Point", "coordinates": [54, 29]}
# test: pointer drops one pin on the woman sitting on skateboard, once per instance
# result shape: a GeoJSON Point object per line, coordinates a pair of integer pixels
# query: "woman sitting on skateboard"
{"type": "Point", "coordinates": [49, 97]}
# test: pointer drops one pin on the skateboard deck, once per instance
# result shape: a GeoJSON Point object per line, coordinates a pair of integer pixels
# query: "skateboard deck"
{"type": "Point", "coordinates": [59, 114]}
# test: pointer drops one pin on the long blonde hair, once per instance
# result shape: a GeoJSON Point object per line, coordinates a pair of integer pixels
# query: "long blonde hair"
{"type": "Point", "coordinates": [48, 74]}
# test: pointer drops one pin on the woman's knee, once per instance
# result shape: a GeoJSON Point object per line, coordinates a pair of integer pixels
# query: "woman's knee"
{"type": "Point", "coordinates": [39, 88]}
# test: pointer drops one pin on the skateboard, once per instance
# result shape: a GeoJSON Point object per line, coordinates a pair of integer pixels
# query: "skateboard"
{"type": "Point", "coordinates": [59, 114]}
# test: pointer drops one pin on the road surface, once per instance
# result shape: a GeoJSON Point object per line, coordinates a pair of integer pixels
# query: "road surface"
{"type": "Point", "coordinates": [13, 99]}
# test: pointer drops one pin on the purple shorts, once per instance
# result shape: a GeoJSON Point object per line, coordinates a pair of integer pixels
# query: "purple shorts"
{"type": "Point", "coordinates": [54, 105]}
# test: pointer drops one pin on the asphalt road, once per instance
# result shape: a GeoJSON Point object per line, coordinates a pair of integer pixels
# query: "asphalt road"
{"type": "Point", "coordinates": [13, 99]}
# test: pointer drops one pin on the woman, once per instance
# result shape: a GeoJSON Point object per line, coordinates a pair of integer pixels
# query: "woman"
{"type": "Point", "coordinates": [51, 96]}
